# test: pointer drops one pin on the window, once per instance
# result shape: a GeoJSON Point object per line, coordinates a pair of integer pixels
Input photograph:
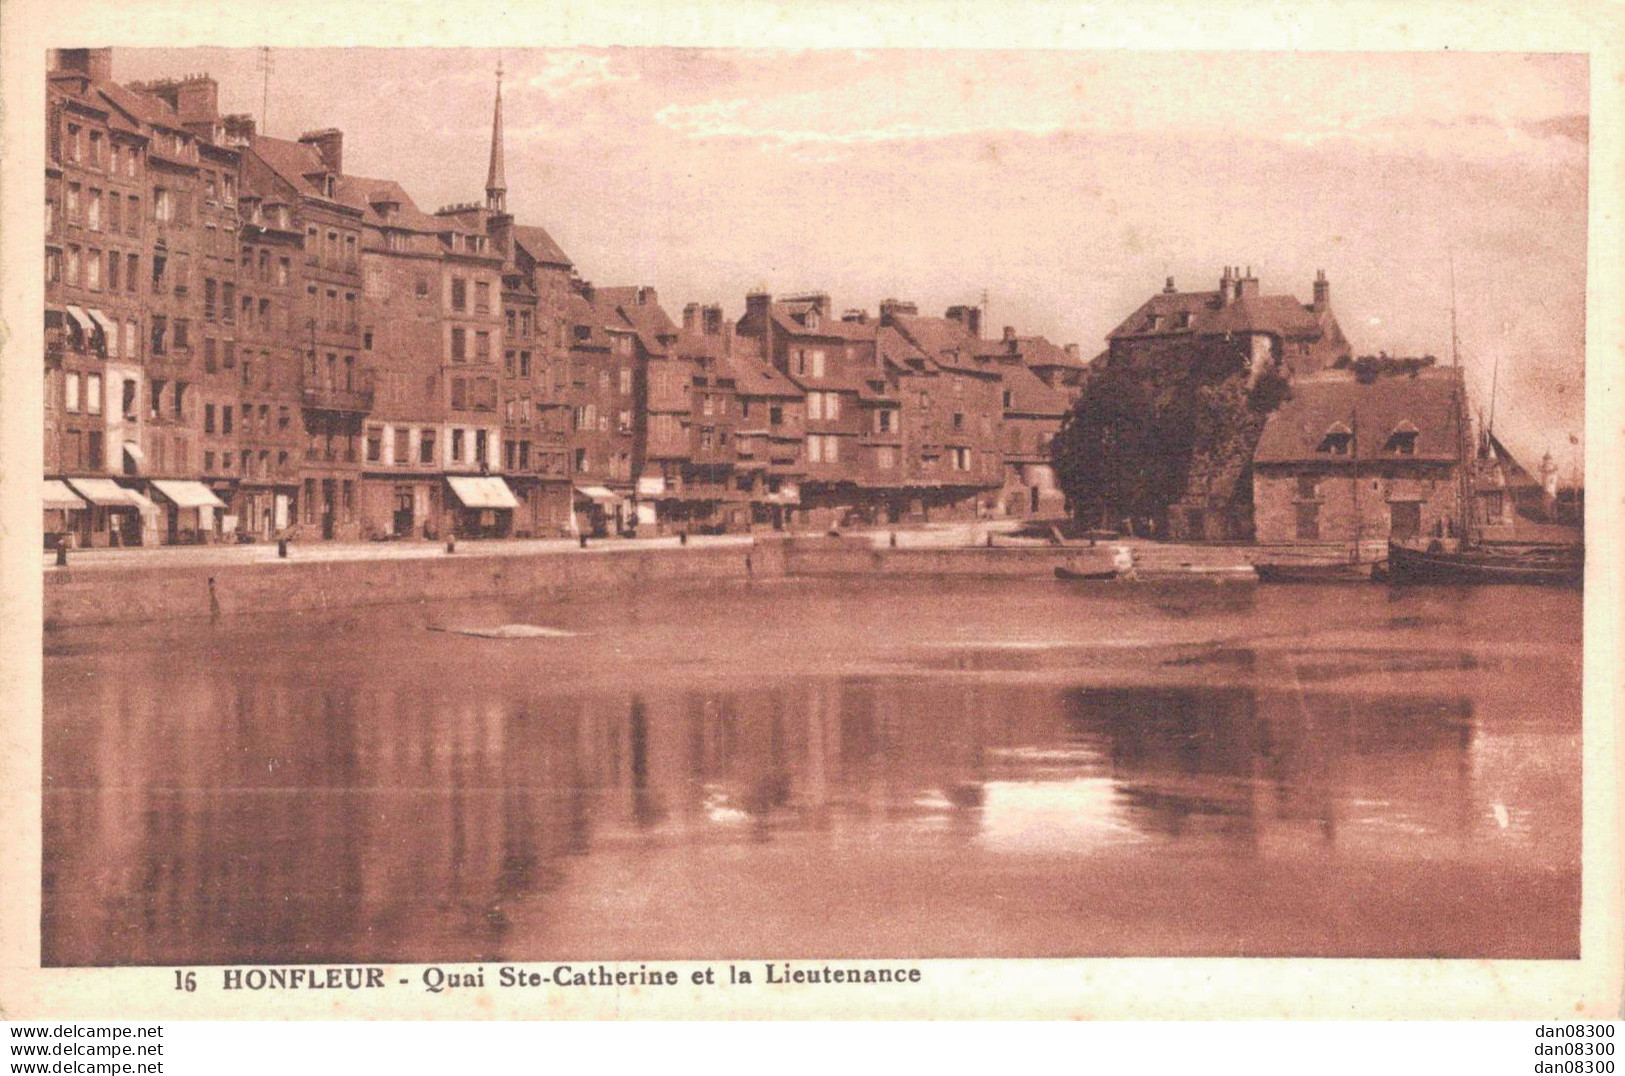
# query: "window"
{"type": "Point", "coordinates": [459, 394]}
{"type": "Point", "coordinates": [524, 324]}
{"type": "Point", "coordinates": [1401, 442]}
{"type": "Point", "coordinates": [457, 446]}
{"type": "Point", "coordinates": [225, 419]}
{"type": "Point", "coordinates": [209, 309]}
{"type": "Point", "coordinates": [422, 287]}
{"type": "Point", "coordinates": [1337, 441]}
{"type": "Point", "coordinates": [208, 418]}
{"type": "Point", "coordinates": [884, 419]}
{"type": "Point", "coordinates": [459, 294]}
{"type": "Point", "coordinates": [282, 271]}
{"type": "Point", "coordinates": [886, 458]}
{"type": "Point", "coordinates": [959, 420]}
{"type": "Point", "coordinates": [163, 209]}
{"type": "Point", "coordinates": [131, 332]}
{"type": "Point", "coordinates": [93, 394]}
{"type": "Point", "coordinates": [95, 149]}
{"type": "Point", "coordinates": [459, 345]}
{"type": "Point", "coordinates": [182, 325]}
{"type": "Point", "coordinates": [426, 447]}
{"type": "Point", "coordinates": [482, 346]}
{"type": "Point", "coordinates": [1308, 487]}
{"type": "Point", "coordinates": [160, 330]}
{"type": "Point", "coordinates": [132, 272]}
{"type": "Point", "coordinates": [93, 267]}
{"type": "Point", "coordinates": [626, 380]}
{"type": "Point", "coordinates": [403, 438]}
{"type": "Point", "coordinates": [524, 364]}
{"type": "Point", "coordinates": [209, 363]}
{"type": "Point", "coordinates": [482, 297]}
{"type": "Point", "coordinates": [133, 217]}
{"type": "Point", "coordinates": [508, 363]}
{"type": "Point", "coordinates": [818, 364]}
{"type": "Point", "coordinates": [70, 396]}
{"type": "Point", "coordinates": [93, 207]}
{"type": "Point", "coordinates": [480, 445]}
{"type": "Point", "coordinates": [73, 142]}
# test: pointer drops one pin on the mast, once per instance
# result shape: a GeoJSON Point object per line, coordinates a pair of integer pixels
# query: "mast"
{"type": "Point", "coordinates": [1359, 520]}
{"type": "Point", "coordinates": [1459, 415]}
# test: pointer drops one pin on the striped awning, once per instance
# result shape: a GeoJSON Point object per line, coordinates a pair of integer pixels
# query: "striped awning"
{"type": "Point", "coordinates": [184, 494]}
{"type": "Point", "coordinates": [103, 492]}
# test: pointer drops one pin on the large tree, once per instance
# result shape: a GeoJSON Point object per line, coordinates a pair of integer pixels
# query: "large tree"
{"type": "Point", "coordinates": [1126, 450]}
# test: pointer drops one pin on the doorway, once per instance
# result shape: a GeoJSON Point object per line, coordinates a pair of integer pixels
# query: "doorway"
{"type": "Point", "coordinates": [403, 511]}
{"type": "Point", "coordinates": [1405, 519]}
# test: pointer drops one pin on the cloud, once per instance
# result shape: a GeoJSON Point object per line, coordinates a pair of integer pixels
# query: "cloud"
{"type": "Point", "coordinates": [728, 119]}
{"type": "Point", "coordinates": [570, 70]}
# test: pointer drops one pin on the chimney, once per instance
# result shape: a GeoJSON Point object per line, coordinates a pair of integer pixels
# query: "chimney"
{"type": "Point", "coordinates": [647, 297]}
{"type": "Point", "coordinates": [1323, 292]}
{"type": "Point", "coordinates": [758, 305]}
{"type": "Point", "coordinates": [856, 316]}
{"type": "Point", "coordinates": [894, 308]}
{"type": "Point", "coordinates": [1227, 289]}
{"type": "Point", "coordinates": [712, 319]}
{"type": "Point", "coordinates": [197, 101]}
{"type": "Point", "coordinates": [96, 64]}
{"type": "Point", "coordinates": [691, 317]}
{"type": "Point", "coordinates": [1247, 286]}
{"type": "Point", "coordinates": [1168, 288]}
{"type": "Point", "coordinates": [329, 145]}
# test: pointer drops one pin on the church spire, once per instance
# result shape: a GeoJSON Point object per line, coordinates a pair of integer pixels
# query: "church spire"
{"type": "Point", "coordinates": [496, 187]}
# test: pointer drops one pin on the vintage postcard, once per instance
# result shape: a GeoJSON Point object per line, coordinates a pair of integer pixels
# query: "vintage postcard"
{"type": "Point", "coordinates": [806, 510]}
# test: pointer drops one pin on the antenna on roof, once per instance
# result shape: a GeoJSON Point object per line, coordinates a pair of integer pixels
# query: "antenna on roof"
{"type": "Point", "coordinates": [265, 88]}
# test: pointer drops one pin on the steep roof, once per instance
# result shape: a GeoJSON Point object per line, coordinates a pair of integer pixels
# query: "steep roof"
{"type": "Point", "coordinates": [619, 308]}
{"type": "Point", "coordinates": [785, 317]}
{"type": "Point", "coordinates": [292, 162]}
{"type": "Point", "coordinates": [1374, 411]}
{"type": "Point", "coordinates": [1031, 395]}
{"type": "Point", "coordinates": [754, 377]}
{"type": "Point", "coordinates": [1204, 314]}
{"type": "Point", "coordinates": [364, 194]}
{"type": "Point", "coordinates": [945, 341]}
{"type": "Point", "coordinates": [540, 245]}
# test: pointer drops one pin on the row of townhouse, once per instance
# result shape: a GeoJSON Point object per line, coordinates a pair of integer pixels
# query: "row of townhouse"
{"type": "Point", "coordinates": [245, 341]}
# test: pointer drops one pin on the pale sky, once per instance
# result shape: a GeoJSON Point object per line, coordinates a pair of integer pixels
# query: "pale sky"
{"type": "Point", "coordinates": [1066, 184]}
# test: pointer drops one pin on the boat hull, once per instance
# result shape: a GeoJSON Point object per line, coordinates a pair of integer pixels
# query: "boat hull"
{"type": "Point", "coordinates": [1314, 573]}
{"type": "Point", "coordinates": [1406, 566]}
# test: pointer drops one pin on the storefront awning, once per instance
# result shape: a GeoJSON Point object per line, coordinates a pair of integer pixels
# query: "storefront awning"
{"type": "Point", "coordinates": [57, 495]}
{"type": "Point", "coordinates": [133, 450]}
{"type": "Point", "coordinates": [105, 322]}
{"type": "Point", "coordinates": [485, 491]}
{"type": "Point", "coordinates": [77, 313]}
{"type": "Point", "coordinates": [187, 494]}
{"type": "Point", "coordinates": [103, 492]}
{"type": "Point", "coordinates": [598, 495]}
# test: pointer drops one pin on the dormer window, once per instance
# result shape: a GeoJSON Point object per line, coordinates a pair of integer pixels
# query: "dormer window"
{"type": "Point", "coordinates": [1153, 323]}
{"type": "Point", "coordinates": [812, 319]}
{"type": "Point", "coordinates": [1183, 320]}
{"type": "Point", "coordinates": [329, 185]}
{"type": "Point", "coordinates": [1337, 442]}
{"type": "Point", "coordinates": [1402, 442]}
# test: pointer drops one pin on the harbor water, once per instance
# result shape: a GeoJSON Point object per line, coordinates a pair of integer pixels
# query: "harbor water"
{"type": "Point", "coordinates": [821, 768]}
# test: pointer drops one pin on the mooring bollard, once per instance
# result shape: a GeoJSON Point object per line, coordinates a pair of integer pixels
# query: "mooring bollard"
{"type": "Point", "coordinates": [451, 545]}
{"type": "Point", "coordinates": [62, 555]}
{"type": "Point", "coordinates": [894, 539]}
{"type": "Point", "coordinates": [682, 537]}
{"type": "Point", "coordinates": [282, 548]}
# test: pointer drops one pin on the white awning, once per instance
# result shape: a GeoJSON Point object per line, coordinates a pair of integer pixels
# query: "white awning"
{"type": "Point", "coordinates": [485, 491]}
{"type": "Point", "coordinates": [105, 322]}
{"type": "Point", "coordinates": [58, 495]}
{"type": "Point", "coordinates": [187, 494]}
{"type": "Point", "coordinates": [77, 313]}
{"type": "Point", "coordinates": [599, 495]}
{"type": "Point", "coordinates": [133, 450]}
{"type": "Point", "coordinates": [103, 492]}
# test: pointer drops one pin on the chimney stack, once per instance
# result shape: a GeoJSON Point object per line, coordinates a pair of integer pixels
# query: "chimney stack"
{"type": "Point", "coordinates": [329, 146]}
{"type": "Point", "coordinates": [1247, 286]}
{"type": "Point", "coordinates": [1168, 288]}
{"type": "Point", "coordinates": [711, 317]}
{"type": "Point", "coordinates": [691, 317]}
{"type": "Point", "coordinates": [1227, 291]}
{"type": "Point", "coordinates": [96, 64]}
{"type": "Point", "coordinates": [1323, 292]}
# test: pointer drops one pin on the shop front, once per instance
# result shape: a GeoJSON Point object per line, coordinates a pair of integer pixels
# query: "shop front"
{"type": "Point", "coordinates": [600, 511]}
{"type": "Point", "coordinates": [65, 513]}
{"type": "Point", "coordinates": [188, 511]}
{"type": "Point", "coordinates": [485, 506]}
{"type": "Point", "coordinates": [115, 514]}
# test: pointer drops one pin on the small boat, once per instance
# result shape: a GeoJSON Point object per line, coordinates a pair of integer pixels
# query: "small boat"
{"type": "Point", "coordinates": [1308, 572]}
{"type": "Point", "coordinates": [1072, 574]}
{"type": "Point", "coordinates": [1548, 566]}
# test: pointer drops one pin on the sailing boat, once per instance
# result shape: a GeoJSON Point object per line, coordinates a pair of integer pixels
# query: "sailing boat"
{"type": "Point", "coordinates": [1472, 561]}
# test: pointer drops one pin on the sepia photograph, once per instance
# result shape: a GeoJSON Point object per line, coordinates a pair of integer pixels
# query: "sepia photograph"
{"type": "Point", "coordinates": [558, 510]}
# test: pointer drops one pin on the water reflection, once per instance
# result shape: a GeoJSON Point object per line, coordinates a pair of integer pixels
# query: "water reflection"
{"type": "Point", "coordinates": [280, 813]}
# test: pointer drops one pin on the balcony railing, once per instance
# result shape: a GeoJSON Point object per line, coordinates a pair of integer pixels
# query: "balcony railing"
{"type": "Point", "coordinates": [323, 398]}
